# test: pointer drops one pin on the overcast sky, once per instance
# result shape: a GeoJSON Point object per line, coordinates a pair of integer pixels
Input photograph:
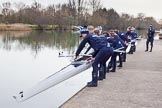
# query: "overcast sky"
{"type": "Point", "coordinates": [133, 7]}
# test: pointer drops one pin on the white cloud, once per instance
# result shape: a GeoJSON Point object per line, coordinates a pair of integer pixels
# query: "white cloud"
{"type": "Point", "coordinates": [148, 7]}
{"type": "Point", "coordinates": [43, 2]}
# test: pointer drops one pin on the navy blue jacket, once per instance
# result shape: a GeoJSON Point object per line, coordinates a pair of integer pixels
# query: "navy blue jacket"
{"type": "Point", "coordinates": [115, 42]}
{"type": "Point", "coordinates": [132, 33]}
{"type": "Point", "coordinates": [151, 32]}
{"type": "Point", "coordinates": [96, 42]}
{"type": "Point", "coordinates": [123, 36]}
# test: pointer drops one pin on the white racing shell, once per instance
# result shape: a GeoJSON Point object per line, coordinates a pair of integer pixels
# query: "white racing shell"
{"type": "Point", "coordinates": [67, 72]}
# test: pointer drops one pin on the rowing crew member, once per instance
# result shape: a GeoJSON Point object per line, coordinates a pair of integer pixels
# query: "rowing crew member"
{"type": "Point", "coordinates": [125, 42]}
{"type": "Point", "coordinates": [95, 32]}
{"type": "Point", "coordinates": [132, 35]}
{"type": "Point", "coordinates": [101, 52]}
{"type": "Point", "coordinates": [116, 43]}
{"type": "Point", "coordinates": [150, 38]}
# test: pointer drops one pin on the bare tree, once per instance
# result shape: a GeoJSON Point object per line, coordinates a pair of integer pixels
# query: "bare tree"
{"type": "Point", "coordinates": [6, 9]}
{"type": "Point", "coordinates": [51, 10]}
{"type": "Point", "coordinates": [113, 19]}
{"type": "Point", "coordinates": [126, 20]}
{"type": "Point", "coordinates": [95, 5]}
{"type": "Point", "coordinates": [36, 6]}
{"type": "Point", "coordinates": [78, 8]}
{"type": "Point", "coordinates": [37, 14]}
{"type": "Point", "coordinates": [20, 11]}
{"type": "Point", "coordinates": [160, 21]}
{"type": "Point", "coordinates": [140, 18]}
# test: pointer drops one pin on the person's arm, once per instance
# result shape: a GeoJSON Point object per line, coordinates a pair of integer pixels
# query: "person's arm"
{"type": "Point", "coordinates": [153, 31]}
{"type": "Point", "coordinates": [125, 38]}
{"type": "Point", "coordinates": [88, 49]}
{"type": "Point", "coordinates": [127, 33]}
{"type": "Point", "coordinates": [112, 42]}
{"type": "Point", "coordinates": [81, 46]}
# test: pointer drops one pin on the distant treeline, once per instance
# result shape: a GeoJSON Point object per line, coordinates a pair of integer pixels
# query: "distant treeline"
{"type": "Point", "coordinates": [74, 12]}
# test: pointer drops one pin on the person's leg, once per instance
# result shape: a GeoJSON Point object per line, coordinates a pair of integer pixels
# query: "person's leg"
{"type": "Point", "coordinates": [114, 62]}
{"type": "Point", "coordinates": [104, 64]}
{"type": "Point", "coordinates": [104, 54]}
{"type": "Point", "coordinates": [107, 53]}
{"type": "Point", "coordinates": [110, 63]}
{"type": "Point", "coordinates": [101, 72]}
{"type": "Point", "coordinates": [147, 43]}
{"type": "Point", "coordinates": [120, 60]}
{"type": "Point", "coordinates": [124, 55]}
{"type": "Point", "coordinates": [151, 41]}
{"type": "Point", "coordinates": [105, 70]}
{"type": "Point", "coordinates": [95, 67]}
{"type": "Point", "coordinates": [93, 83]}
{"type": "Point", "coordinates": [133, 47]}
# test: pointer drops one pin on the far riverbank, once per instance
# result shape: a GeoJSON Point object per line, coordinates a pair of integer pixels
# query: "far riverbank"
{"type": "Point", "coordinates": [29, 27]}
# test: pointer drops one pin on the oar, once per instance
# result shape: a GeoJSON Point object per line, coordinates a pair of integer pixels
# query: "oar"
{"type": "Point", "coordinates": [85, 55]}
{"type": "Point", "coordinates": [134, 40]}
{"type": "Point", "coordinates": [72, 55]}
{"type": "Point", "coordinates": [119, 50]}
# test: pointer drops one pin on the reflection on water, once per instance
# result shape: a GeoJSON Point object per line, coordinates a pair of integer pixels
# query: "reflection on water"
{"type": "Point", "coordinates": [36, 41]}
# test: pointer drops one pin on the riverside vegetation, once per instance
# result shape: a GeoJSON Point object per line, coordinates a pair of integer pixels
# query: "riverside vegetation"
{"type": "Point", "coordinates": [64, 16]}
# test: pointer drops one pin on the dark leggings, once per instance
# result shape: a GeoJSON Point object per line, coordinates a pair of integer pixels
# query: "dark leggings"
{"type": "Point", "coordinates": [149, 40]}
{"type": "Point", "coordinates": [102, 56]}
{"type": "Point", "coordinates": [113, 60]}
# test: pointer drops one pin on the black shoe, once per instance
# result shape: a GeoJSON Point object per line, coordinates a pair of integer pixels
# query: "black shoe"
{"type": "Point", "coordinates": [92, 84]}
{"type": "Point", "coordinates": [124, 60]}
{"type": "Point", "coordinates": [112, 70]}
{"type": "Point", "coordinates": [150, 50]}
{"type": "Point", "coordinates": [146, 50]}
{"type": "Point", "coordinates": [130, 53]}
{"type": "Point", "coordinates": [104, 75]}
{"type": "Point", "coordinates": [100, 77]}
{"type": "Point", "coordinates": [120, 66]}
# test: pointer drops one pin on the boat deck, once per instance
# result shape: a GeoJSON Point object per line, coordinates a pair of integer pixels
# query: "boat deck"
{"type": "Point", "coordinates": [137, 85]}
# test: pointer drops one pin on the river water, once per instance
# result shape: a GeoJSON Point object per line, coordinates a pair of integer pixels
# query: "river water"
{"type": "Point", "coordinates": [28, 57]}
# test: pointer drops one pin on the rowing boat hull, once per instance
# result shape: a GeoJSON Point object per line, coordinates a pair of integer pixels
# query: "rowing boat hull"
{"type": "Point", "coordinates": [60, 76]}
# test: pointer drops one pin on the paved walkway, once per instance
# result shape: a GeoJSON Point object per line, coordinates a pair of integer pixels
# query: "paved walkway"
{"type": "Point", "coordinates": [137, 85]}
